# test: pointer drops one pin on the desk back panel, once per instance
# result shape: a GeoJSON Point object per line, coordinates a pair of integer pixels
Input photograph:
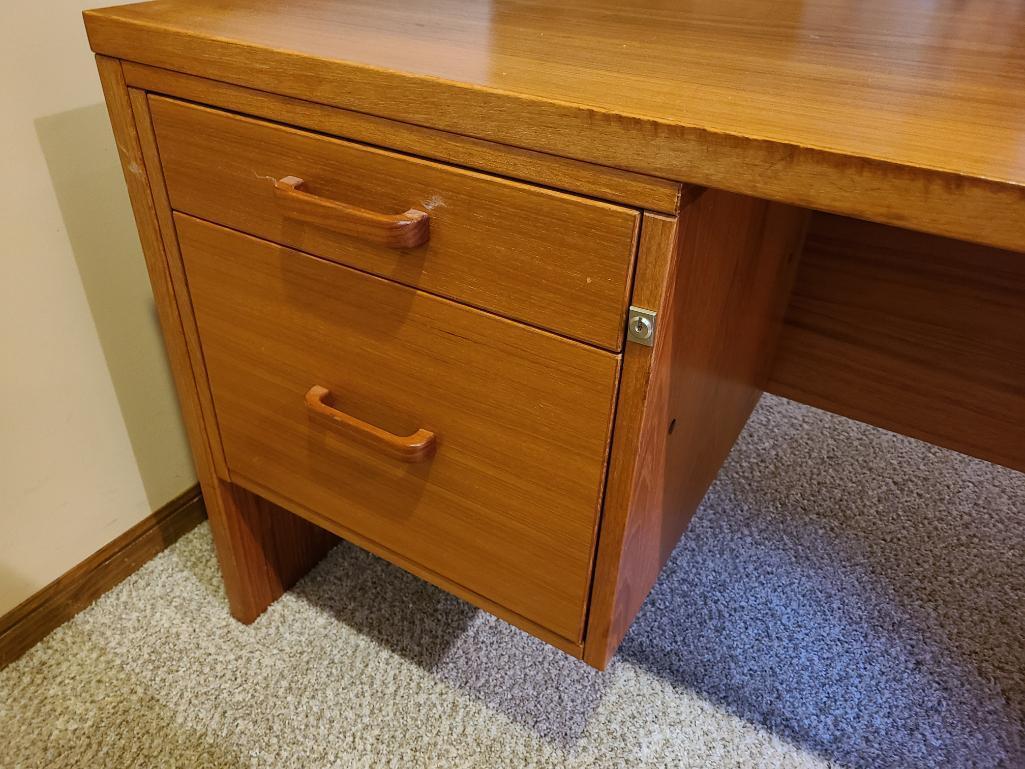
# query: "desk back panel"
{"type": "Point", "coordinates": [914, 333]}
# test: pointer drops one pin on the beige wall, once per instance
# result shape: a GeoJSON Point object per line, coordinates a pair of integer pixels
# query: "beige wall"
{"type": "Point", "coordinates": [91, 439]}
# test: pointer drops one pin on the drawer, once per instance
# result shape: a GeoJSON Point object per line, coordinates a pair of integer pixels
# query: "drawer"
{"type": "Point", "coordinates": [549, 259]}
{"type": "Point", "coordinates": [316, 369]}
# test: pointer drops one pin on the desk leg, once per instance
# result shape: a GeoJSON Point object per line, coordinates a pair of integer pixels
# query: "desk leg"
{"type": "Point", "coordinates": [263, 549]}
{"type": "Point", "coordinates": [720, 276]}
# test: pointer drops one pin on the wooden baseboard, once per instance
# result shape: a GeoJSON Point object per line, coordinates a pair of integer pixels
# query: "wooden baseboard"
{"type": "Point", "coordinates": [34, 618]}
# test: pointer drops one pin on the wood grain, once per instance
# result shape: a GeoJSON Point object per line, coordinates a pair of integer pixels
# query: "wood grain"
{"type": "Point", "coordinates": [550, 259]}
{"type": "Point", "coordinates": [513, 162]}
{"type": "Point", "coordinates": [913, 333]}
{"type": "Point", "coordinates": [276, 547]}
{"type": "Point", "coordinates": [507, 506]}
{"type": "Point", "coordinates": [683, 405]}
{"type": "Point", "coordinates": [32, 620]}
{"type": "Point", "coordinates": [606, 622]}
{"type": "Point", "coordinates": [260, 491]}
{"type": "Point", "coordinates": [178, 285]}
{"type": "Point", "coordinates": [254, 561]}
{"type": "Point", "coordinates": [263, 550]}
{"type": "Point", "coordinates": [907, 113]}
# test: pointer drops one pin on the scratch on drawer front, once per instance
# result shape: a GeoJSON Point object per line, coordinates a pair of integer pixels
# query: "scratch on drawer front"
{"type": "Point", "coordinates": [434, 201]}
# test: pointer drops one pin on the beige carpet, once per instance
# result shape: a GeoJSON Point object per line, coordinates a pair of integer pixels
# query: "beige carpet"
{"type": "Point", "coordinates": [845, 597]}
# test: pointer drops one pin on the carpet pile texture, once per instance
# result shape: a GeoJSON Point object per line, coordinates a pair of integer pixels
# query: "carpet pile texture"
{"type": "Point", "coordinates": [844, 598]}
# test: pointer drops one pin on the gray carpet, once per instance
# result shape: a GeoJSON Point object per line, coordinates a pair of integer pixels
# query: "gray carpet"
{"type": "Point", "coordinates": [845, 597]}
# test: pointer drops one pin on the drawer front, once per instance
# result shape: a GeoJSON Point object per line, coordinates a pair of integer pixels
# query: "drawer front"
{"type": "Point", "coordinates": [546, 258]}
{"type": "Point", "coordinates": [504, 501]}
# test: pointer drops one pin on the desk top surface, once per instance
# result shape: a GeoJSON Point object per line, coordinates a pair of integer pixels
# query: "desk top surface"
{"type": "Point", "coordinates": [908, 104]}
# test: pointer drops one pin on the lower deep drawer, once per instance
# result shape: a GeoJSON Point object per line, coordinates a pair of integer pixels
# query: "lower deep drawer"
{"type": "Point", "coordinates": [320, 374]}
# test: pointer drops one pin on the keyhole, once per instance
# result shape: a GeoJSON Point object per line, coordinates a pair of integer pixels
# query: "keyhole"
{"type": "Point", "coordinates": [642, 328]}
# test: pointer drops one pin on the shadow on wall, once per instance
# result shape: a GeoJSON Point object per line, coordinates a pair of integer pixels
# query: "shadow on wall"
{"type": "Point", "coordinates": [90, 190]}
{"type": "Point", "coordinates": [13, 586]}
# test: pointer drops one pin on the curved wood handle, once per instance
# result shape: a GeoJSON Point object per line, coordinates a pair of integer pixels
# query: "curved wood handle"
{"type": "Point", "coordinates": [408, 230]}
{"type": "Point", "coordinates": [410, 448]}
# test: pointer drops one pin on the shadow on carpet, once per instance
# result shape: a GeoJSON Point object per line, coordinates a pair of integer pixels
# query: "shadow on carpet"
{"type": "Point", "coordinates": [858, 593]}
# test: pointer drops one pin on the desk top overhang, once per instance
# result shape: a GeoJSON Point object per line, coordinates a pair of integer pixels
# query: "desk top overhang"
{"type": "Point", "coordinates": [909, 112]}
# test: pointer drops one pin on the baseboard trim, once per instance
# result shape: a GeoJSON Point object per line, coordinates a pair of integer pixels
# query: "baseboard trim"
{"type": "Point", "coordinates": [35, 617]}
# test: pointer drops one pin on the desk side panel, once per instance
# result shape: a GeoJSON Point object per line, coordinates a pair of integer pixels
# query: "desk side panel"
{"type": "Point", "coordinates": [262, 549]}
{"type": "Point", "coordinates": [684, 402]}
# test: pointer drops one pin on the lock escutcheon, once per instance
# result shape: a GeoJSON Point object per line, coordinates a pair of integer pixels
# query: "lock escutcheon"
{"type": "Point", "coordinates": [640, 326]}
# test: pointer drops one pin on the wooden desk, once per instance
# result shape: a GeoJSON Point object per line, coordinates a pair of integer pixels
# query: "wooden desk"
{"type": "Point", "coordinates": [827, 202]}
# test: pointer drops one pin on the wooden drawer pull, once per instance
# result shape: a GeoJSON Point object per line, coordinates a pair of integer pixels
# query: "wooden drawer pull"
{"type": "Point", "coordinates": [406, 230]}
{"type": "Point", "coordinates": [411, 448]}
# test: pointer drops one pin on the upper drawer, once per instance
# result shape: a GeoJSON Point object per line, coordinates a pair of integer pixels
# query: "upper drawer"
{"type": "Point", "coordinates": [543, 257]}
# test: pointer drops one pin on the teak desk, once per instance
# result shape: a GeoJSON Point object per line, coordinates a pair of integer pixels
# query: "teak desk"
{"type": "Point", "coordinates": [490, 288]}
